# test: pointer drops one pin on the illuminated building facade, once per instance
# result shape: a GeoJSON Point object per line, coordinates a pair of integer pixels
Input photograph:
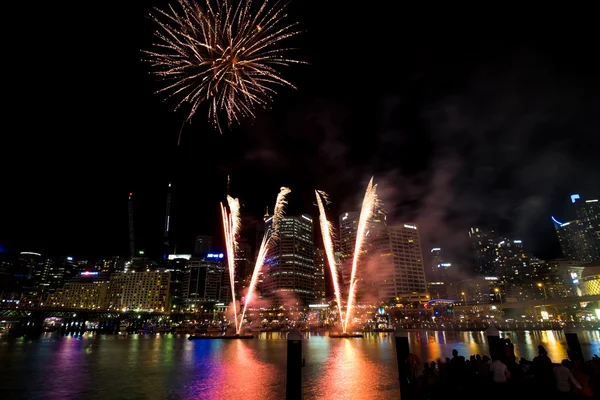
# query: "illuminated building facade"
{"type": "Point", "coordinates": [89, 296]}
{"type": "Point", "coordinates": [511, 262]}
{"type": "Point", "coordinates": [408, 270]}
{"type": "Point", "coordinates": [591, 280]}
{"type": "Point", "coordinates": [289, 265]}
{"type": "Point", "coordinates": [139, 291]}
{"type": "Point", "coordinates": [87, 291]}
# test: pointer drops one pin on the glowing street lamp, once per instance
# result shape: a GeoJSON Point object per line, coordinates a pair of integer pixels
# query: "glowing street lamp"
{"type": "Point", "coordinates": [465, 297]}
{"type": "Point", "coordinates": [541, 285]}
{"type": "Point", "coordinates": [499, 294]}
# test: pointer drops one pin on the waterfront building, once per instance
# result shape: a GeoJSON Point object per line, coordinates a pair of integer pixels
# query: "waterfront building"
{"type": "Point", "coordinates": [406, 277]}
{"type": "Point", "coordinates": [145, 291]}
{"type": "Point", "coordinates": [205, 280]}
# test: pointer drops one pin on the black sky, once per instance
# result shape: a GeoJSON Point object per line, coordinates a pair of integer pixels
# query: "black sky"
{"type": "Point", "coordinates": [462, 117]}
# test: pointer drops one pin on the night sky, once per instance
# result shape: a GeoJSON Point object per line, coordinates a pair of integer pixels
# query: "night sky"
{"type": "Point", "coordinates": [462, 120]}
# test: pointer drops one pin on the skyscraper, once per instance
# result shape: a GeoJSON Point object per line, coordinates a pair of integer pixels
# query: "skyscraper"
{"type": "Point", "coordinates": [511, 261]}
{"type": "Point", "coordinates": [289, 265]}
{"type": "Point", "coordinates": [348, 225]}
{"type": "Point", "coordinates": [580, 238]}
{"type": "Point", "coordinates": [407, 275]}
{"type": "Point", "coordinates": [203, 282]}
{"type": "Point", "coordinates": [320, 297]}
{"type": "Point", "coordinates": [439, 266]}
{"type": "Point", "coordinates": [483, 245]}
{"type": "Point", "coordinates": [243, 260]}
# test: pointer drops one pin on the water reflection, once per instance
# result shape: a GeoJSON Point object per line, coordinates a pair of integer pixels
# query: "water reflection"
{"type": "Point", "coordinates": [349, 373]}
{"type": "Point", "coordinates": [172, 367]}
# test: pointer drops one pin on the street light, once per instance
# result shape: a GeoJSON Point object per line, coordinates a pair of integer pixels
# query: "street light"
{"type": "Point", "coordinates": [541, 285]}
{"type": "Point", "coordinates": [499, 294]}
{"type": "Point", "coordinates": [465, 297]}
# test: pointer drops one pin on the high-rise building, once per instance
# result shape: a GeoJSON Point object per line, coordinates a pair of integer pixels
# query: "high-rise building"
{"type": "Point", "coordinates": [436, 261]}
{"type": "Point", "coordinates": [203, 245]}
{"type": "Point", "coordinates": [320, 296]}
{"type": "Point", "coordinates": [205, 280]}
{"type": "Point", "coordinates": [243, 260]}
{"type": "Point", "coordinates": [29, 264]}
{"type": "Point", "coordinates": [580, 238]}
{"type": "Point", "coordinates": [439, 266]}
{"type": "Point", "coordinates": [483, 245]}
{"type": "Point", "coordinates": [348, 226]}
{"type": "Point", "coordinates": [289, 265]}
{"type": "Point", "coordinates": [177, 270]}
{"type": "Point", "coordinates": [407, 275]}
{"type": "Point", "coordinates": [511, 261]}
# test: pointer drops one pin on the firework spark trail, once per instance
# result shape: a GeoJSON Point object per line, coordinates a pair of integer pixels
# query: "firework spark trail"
{"type": "Point", "coordinates": [366, 212]}
{"type": "Point", "coordinates": [260, 259]}
{"type": "Point", "coordinates": [271, 235]}
{"type": "Point", "coordinates": [236, 221]}
{"type": "Point", "coordinates": [230, 230]}
{"type": "Point", "coordinates": [278, 210]}
{"type": "Point", "coordinates": [327, 233]}
{"type": "Point", "coordinates": [223, 54]}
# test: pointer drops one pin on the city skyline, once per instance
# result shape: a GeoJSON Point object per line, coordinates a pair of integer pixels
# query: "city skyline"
{"type": "Point", "coordinates": [463, 131]}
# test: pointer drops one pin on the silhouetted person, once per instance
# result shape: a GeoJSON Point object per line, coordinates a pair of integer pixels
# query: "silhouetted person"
{"type": "Point", "coordinates": [542, 371]}
{"type": "Point", "coordinates": [510, 351]}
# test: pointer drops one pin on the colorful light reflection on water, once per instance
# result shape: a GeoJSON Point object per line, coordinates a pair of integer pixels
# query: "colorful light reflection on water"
{"type": "Point", "coordinates": [171, 367]}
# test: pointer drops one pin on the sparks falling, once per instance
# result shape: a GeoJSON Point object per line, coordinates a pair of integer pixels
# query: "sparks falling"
{"type": "Point", "coordinates": [269, 237]}
{"type": "Point", "coordinates": [327, 233]}
{"type": "Point", "coordinates": [222, 52]}
{"type": "Point", "coordinates": [366, 211]}
{"type": "Point", "coordinates": [231, 227]}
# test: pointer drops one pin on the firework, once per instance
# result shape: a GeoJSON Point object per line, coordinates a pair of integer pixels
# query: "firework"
{"type": "Point", "coordinates": [269, 236]}
{"type": "Point", "coordinates": [278, 210]}
{"type": "Point", "coordinates": [222, 52]}
{"type": "Point", "coordinates": [366, 211]}
{"type": "Point", "coordinates": [260, 259]}
{"type": "Point", "coordinates": [327, 233]}
{"type": "Point", "coordinates": [231, 226]}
